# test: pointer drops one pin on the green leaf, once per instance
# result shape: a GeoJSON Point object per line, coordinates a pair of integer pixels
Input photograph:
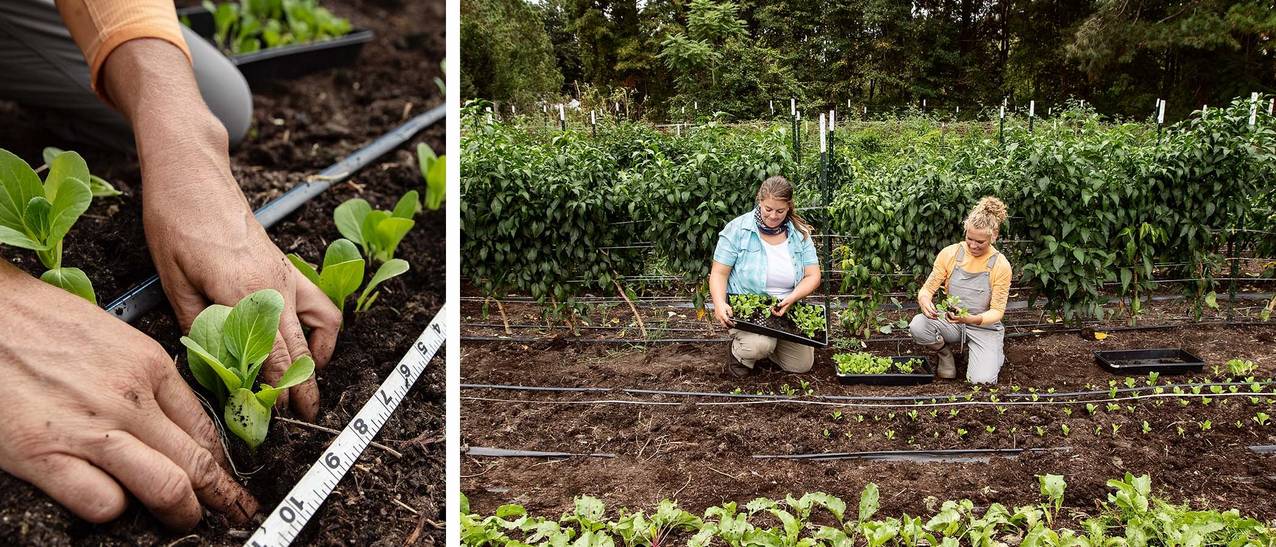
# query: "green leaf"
{"type": "Point", "coordinates": [247, 417]}
{"type": "Point", "coordinates": [408, 205]}
{"type": "Point", "coordinates": [389, 232]}
{"type": "Point", "coordinates": [72, 280]}
{"type": "Point", "coordinates": [65, 166]}
{"type": "Point", "coordinates": [250, 328]}
{"type": "Point", "coordinates": [229, 379]}
{"type": "Point", "coordinates": [868, 502]}
{"type": "Point", "coordinates": [436, 184]}
{"type": "Point", "coordinates": [350, 216]}
{"type": "Point", "coordinates": [18, 184]}
{"type": "Point", "coordinates": [297, 372]}
{"type": "Point", "coordinates": [206, 334]}
{"type": "Point", "coordinates": [36, 219]}
{"type": "Point", "coordinates": [305, 268]}
{"type": "Point", "coordinates": [100, 188]}
{"type": "Point", "coordinates": [394, 267]}
{"type": "Point", "coordinates": [72, 199]}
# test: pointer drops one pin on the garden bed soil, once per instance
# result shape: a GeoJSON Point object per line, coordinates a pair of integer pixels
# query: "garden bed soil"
{"type": "Point", "coordinates": [701, 454]}
{"type": "Point", "coordinates": [299, 128]}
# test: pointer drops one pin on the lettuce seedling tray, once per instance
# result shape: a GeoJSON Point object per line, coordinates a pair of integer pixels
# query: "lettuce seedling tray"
{"type": "Point", "coordinates": [923, 374]}
{"type": "Point", "coordinates": [284, 62]}
{"type": "Point", "coordinates": [1143, 361]}
{"type": "Point", "coordinates": [782, 327]}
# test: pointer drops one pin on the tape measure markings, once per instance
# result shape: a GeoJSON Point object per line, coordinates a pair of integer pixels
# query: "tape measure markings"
{"type": "Point", "coordinates": [301, 503]}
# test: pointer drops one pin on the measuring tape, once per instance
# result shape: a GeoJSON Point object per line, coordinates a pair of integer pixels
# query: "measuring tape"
{"type": "Point", "coordinates": [292, 514]}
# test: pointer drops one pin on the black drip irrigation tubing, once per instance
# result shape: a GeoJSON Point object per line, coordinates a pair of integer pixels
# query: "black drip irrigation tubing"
{"type": "Point", "coordinates": [889, 398]}
{"type": "Point", "coordinates": [948, 456]}
{"type": "Point", "coordinates": [490, 452]}
{"type": "Point", "coordinates": [144, 296]}
{"type": "Point", "coordinates": [1263, 449]}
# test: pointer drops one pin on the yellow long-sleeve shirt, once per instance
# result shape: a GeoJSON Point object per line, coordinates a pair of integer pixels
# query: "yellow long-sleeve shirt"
{"type": "Point", "coordinates": [946, 262]}
{"type": "Point", "coordinates": [100, 26]}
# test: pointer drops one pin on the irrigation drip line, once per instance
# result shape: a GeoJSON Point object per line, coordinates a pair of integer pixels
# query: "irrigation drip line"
{"type": "Point", "coordinates": [590, 402]}
{"type": "Point", "coordinates": [512, 453]}
{"type": "Point", "coordinates": [1263, 449]}
{"type": "Point", "coordinates": [973, 455]}
{"type": "Point", "coordinates": [887, 398]}
{"type": "Point", "coordinates": [140, 298]}
{"type": "Point", "coordinates": [538, 388]}
{"type": "Point", "coordinates": [625, 341]}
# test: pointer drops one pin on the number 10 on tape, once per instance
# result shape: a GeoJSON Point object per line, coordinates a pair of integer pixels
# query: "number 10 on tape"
{"type": "Point", "coordinates": [287, 520]}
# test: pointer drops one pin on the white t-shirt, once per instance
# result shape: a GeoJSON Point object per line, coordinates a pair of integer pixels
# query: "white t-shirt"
{"type": "Point", "coordinates": [779, 269]}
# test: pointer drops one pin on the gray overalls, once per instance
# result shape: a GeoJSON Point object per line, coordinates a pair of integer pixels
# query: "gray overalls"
{"type": "Point", "coordinates": [975, 291]}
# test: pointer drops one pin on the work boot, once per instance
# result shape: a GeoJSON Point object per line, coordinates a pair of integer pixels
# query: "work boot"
{"type": "Point", "coordinates": [947, 368]}
{"type": "Point", "coordinates": [735, 368]}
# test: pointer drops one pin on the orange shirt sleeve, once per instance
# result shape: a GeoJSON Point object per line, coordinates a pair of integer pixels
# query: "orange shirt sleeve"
{"type": "Point", "coordinates": [100, 26]}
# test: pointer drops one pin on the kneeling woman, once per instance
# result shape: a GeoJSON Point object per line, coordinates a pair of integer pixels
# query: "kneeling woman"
{"type": "Point", "coordinates": [979, 276]}
{"type": "Point", "coordinates": [767, 250]}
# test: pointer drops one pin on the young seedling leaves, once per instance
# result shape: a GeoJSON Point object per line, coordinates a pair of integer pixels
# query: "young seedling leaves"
{"type": "Point", "coordinates": [72, 280]}
{"type": "Point", "coordinates": [226, 349]}
{"type": "Point", "coordinates": [434, 171]}
{"type": "Point", "coordinates": [377, 232]}
{"type": "Point", "coordinates": [393, 268]}
{"type": "Point", "coordinates": [408, 206]}
{"type": "Point", "coordinates": [342, 272]}
{"type": "Point", "coordinates": [37, 217]}
{"type": "Point", "coordinates": [98, 186]}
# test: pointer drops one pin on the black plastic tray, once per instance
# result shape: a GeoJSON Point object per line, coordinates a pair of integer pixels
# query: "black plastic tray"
{"type": "Point", "coordinates": [923, 375]}
{"type": "Point", "coordinates": [783, 327]}
{"type": "Point", "coordinates": [1143, 361]}
{"type": "Point", "coordinates": [291, 61]}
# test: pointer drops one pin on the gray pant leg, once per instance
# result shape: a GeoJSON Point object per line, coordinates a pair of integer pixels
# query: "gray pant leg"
{"type": "Point", "coordinates": [928, 331]}
{"type": "Point", "coordinates": [986, 355]}
{"type": "Point", "coordinates": [43, 68]}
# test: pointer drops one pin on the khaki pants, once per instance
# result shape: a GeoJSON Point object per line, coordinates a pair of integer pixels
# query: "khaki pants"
{"type": "Point", "coordinates": [43, 68]}
{"type": "Point", "coordinates": [791, 356]}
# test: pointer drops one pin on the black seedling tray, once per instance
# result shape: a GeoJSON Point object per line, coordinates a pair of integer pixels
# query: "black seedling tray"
{"type": "Point", "coordinates": [1143, 361]}
{"type": "Point", "coordinates": [924, 374]}
{"type": "Point", "coordinates": [782, 327]}
{"type": "Point", "coordinates": [282, 63]}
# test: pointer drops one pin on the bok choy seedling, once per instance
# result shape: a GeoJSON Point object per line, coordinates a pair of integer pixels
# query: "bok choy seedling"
{"type": "Point", "coordinates": [37, 216]}
{"type": "Point", "coordinates": [342, 273]}
{"type": "Point", "coordinates": [378, 232]}
{"type": "Point", "coordinates": [225, 351]}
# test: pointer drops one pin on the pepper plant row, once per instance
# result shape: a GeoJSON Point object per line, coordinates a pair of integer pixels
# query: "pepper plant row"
{"type": "Point", "coordinates": [1094, 205]}
{"type": "Point", "coordinates": [1131, 515]}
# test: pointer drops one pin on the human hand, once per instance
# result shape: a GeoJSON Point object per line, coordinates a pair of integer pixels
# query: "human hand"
{"type": "Point", "coordinates": [781, 307]}
{"type": "Point", "coordinates": [962, 319]}
{"type": "Point", "coordinates": [203, 238]}
{"type": "Point", "coordinates": [927, 305]}
{"type": "Point", "coordinates": [723, 313]}
{"type": "Point", "coordinates": [94, 407]}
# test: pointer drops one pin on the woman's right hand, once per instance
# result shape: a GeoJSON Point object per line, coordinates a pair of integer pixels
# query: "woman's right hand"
{"type": "Point", "coordinates": [928, 306]}
{"type": "Point", "coordinates": [724, 313]}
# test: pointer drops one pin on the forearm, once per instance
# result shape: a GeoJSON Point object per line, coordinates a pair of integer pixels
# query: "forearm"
{"type": "Point", "coordinates": [718, 286]}
{"type": "Point", "coordinates": [152, 84]}
{"type": "Point", "coordinates": [804, 288]}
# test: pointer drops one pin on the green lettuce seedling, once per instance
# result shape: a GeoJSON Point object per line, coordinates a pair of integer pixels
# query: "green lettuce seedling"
{"type": "Point", "coordinates": [378, 232]}
{"type": "Point", "coordinates": [342, 272]}
{"type": "Point", "coordinates": [434, 171]}
{"type": "Point", "coordinates": [97, 185]}
{"type": "Point", "coordinates": [37, 216]}
{"type": "Point", "coordinates": [226, 349]}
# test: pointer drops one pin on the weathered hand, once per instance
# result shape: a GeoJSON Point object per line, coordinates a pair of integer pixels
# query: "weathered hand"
{"type": "Point", "coordinates": [94, 407]}
{"type": "Point", "coordinates": [927, 306]}
{"type": "Point", "coordinates": [724, 313]}
{"type": "Point", "coordinates": [210, 249]}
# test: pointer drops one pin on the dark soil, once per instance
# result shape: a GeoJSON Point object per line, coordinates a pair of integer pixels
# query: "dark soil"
{"type": "Point", "coordinates": [300, 127]}
{"type": "Point", "coordinates": [699, 450]}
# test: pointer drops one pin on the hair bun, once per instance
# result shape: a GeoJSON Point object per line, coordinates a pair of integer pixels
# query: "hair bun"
{"type": "Point", "coordinates": [992, 207]}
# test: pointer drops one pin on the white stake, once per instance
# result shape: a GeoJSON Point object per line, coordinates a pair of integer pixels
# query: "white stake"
{"type": "Point", "coordinates": [1205, 109]}
{"type": "Point", "coordinates": [832, 118]}
{"type": "Point", "coordinates": [865, 111]}
{"type": "Point", "coordinates": [696, 105]}
{"type": "Point", "coordinates": [923, 104]}
{"type": "Point", "coordinates": [1032, 109]}
{"type": "Point", "coordinates": [792, 107]}
{"type": "Point", "coordinates": [823, 143]}
{"type": "Point", "coordinates": [562, 115]}
{"type": "Point", "coordinates": [1003, 111]}
{"type": "Point", "coordinates": [1253, 107]}
{"type": "Point", "coordinates": [772, 104]}
{"type": "Point", "coordinates": [592, 120]}
{"type": "Point", "coordinates": [848, 104]}
{"type": "Point", "coordinates": [1160, 116]}
{"type": "Point", "coordinates": [959, 111]}
{"type": "Point", "coordinates": [1271, 105]}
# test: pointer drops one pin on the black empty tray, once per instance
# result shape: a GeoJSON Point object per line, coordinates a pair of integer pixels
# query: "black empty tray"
{"type": "Point", "coordinates": [1143, 361]}
{"type": "Point", "coordinates": [284, 62]}
{"type": "Point", "coordinates": [924, 374]}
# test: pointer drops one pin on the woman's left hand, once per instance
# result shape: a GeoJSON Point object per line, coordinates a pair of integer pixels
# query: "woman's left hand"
{"type": "Point", "coordinates": [964, 319]}
{"type": "Point", "coordinates": [782, 307]}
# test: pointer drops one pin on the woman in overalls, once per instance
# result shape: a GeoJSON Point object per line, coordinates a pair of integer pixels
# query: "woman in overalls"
{"type": "Point", "coordinates": [977, 274]}
{"type": "Point", "coordinates": [765, 251]}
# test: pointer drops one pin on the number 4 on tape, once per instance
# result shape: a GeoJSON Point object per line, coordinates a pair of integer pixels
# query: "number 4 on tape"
{"type": "Point", "coordinates": [287, 520]}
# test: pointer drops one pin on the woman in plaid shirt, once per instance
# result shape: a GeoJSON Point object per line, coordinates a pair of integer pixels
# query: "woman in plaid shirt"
{"type": "Point", "coordinates": [765, 251]}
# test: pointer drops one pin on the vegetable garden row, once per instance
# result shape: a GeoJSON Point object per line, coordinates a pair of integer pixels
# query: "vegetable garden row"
{"type": "Point", "coordinates": [1102, 214]}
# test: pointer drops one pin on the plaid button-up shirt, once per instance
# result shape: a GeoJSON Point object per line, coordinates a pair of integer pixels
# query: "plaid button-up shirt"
{"type": "Point", "coordinates": [740, 246]}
